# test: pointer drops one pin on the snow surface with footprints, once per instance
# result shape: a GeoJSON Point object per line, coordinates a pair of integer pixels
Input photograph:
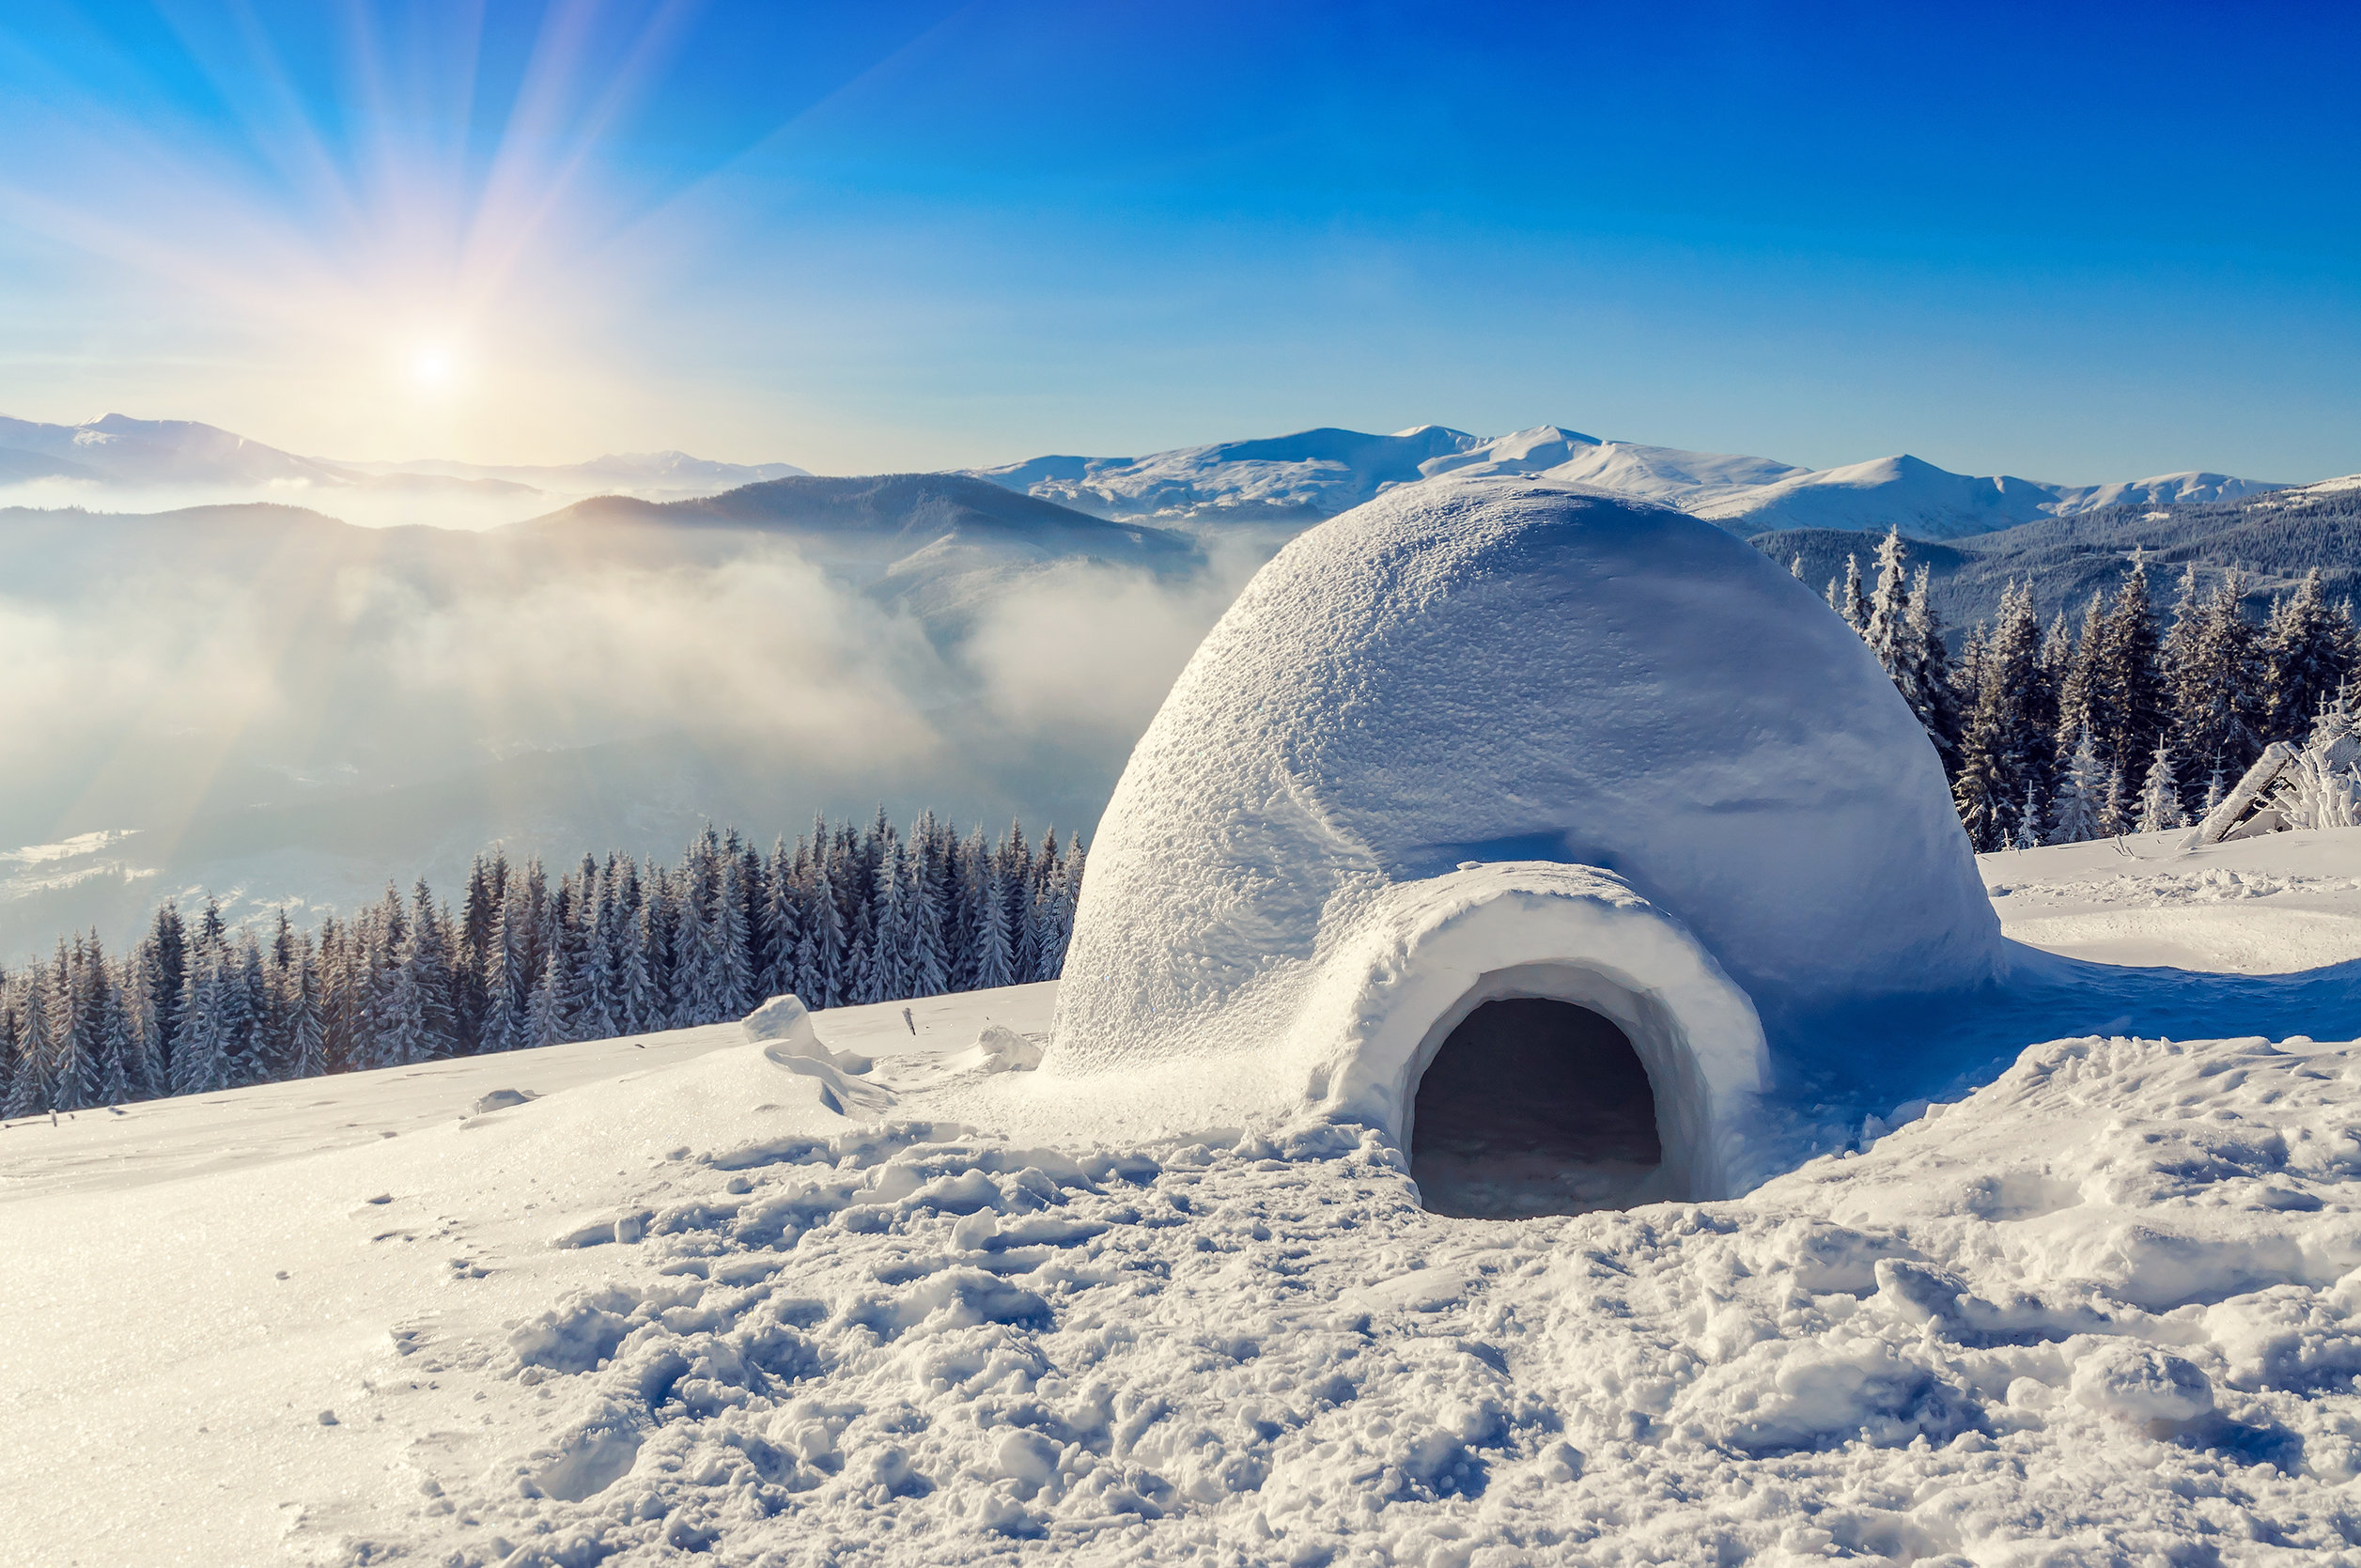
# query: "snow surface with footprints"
{"type": "Point", "coordinates": [2106, 1308]}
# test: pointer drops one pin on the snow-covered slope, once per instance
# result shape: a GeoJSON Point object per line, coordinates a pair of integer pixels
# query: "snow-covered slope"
{"type": "Point", "coordinates": [1318, 474]}
{"type": "Point", "coordinates": [663, 1302]}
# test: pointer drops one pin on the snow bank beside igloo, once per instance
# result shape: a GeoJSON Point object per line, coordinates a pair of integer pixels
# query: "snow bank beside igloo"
{"type": "Point", "coordinates": [1528, 677]}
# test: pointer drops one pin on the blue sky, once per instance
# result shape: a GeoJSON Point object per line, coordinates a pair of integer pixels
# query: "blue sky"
{"type": "Point", "coordinates": [2074, 244]}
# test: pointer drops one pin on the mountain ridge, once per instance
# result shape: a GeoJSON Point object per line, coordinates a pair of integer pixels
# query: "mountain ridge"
{"type": "Point", "coordinates": [1315, 473]}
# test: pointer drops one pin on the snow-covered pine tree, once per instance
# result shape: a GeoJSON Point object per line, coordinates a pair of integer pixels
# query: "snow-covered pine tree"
{"type": "Point", "coordinates": [1967, 672]}
{"type": "Point", "coordinates": [1015, 860]}
{"type": "Point", "coordinates": [733, 960]}
{"type": "Point", "coordinates": [824, 970]}
{"type": "Point", "coordinates": [602, 956]}
{"type": "Point", "coordinates": [196, 1059]}
{"type": "Point", "coordinates": [434, 973]}
{"type": "Point", "coordinates": [2078, 808]}
{"type": "Point", "coordinates": [2216, 681]}
{"type": "Point", "coordinates": [69, 1030]}
{"type": "Point", "coordinates": [507, 996]}
{"type": "Point", "coordinates": [1795, 566]}
{"type": "Point", "coordinates": [1847, 599]}
{"type": "Point", "coordinates": [543, 1023]}
{"type": "Point", "coordinates": [930, 958]}
{"type": "Point", "coordinates": [2115, 811]}
{"type": "Point", "coordinates": [9, 1012]}
{"type": "Point", "coordinates": [144, 1022]}
{"type": "Point", "coordinates": [2160, 794]}
{"type": "Point", "coordinates": [1884, 626]}
{"type": "Point", "coordinates": [1060, 887]}
{"type": "Point", "coordinates": [885, 975]}
{"type": "Point", "coordinates": [471, 958]}
{"type": "Point", "coordinates": [335, 994]}
{"type": "Point", "coordinates": [2127, 669]}
{"type": "Point", "coordinates": [661, 900]}
{"type": "Point", "coordinates": [2308, 652]}
{"type": "Point", "coordinates": [639, 1007]}
{"type": "Point", "coordinates": [991, 963]}
{"type": "Point", "coordinates": [168, 941]}
{"type": "Point", "coordinates": [2029, 827]}
{"type": "Point", "coordinates": [306, 1030]}
{"type": "Point", "coordinates": [2002, 746]}
{"type": "Point", "coordinates": [1934, 701]}
{"type": "Point", "coordinates": [117, 1053]}
{"type": "Point", "coordinates": [1900, 630]}
{"type": "Point", "coordinates": [2079, 705]}
{"type": "Point", "coordinates": [32, 1087]}
{"type": "Point", "coordinates": [783, 922]}
{"type": "Point", "coordinates": [569, 958]}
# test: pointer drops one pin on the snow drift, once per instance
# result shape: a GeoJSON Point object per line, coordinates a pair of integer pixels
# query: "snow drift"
{"type": "Point", "coordinates": [1493, 739]}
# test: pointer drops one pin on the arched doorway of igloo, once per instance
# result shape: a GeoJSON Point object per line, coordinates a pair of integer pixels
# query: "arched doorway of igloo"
{"type": "Point", "coordinates": [1533, 1106]}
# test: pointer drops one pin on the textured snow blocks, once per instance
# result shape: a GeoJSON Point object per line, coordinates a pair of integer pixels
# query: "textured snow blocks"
{"type": "Point", "coordinates": [1495, 738]}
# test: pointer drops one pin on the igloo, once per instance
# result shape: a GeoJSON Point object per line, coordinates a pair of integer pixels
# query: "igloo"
{"type": "Point", "coordinates": [1556, 821]}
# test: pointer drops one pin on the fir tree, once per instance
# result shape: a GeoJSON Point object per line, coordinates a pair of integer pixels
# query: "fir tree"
{"type": "Point", "coordinates": [434, 975]}
{"type": "Point", "coordinates": [32, 1087]}
{"type": "Point", "coordinates": [733, 942]}
{"type": "Point", "coordinates": [2308, 652]}
{"type": "Point", "coordinates": [2160, 795]}
{"type": "Point", "coordinates": [2215, 676]}
{"type": "Point", "coordinates": [1849, 600]}
{"type": "Point", "coordinates": [2002, 746]}
{"type": "Point", "coordinates": [543, 1022]}
{"type": "Point", "coordinates": [306, 1030]}
{"type": "Point", "coordinates": [2078, 809]}
{"type": "Point", "coordinates": [929, 957]}
{"type": "Point", "coordinates": [2127, 669]}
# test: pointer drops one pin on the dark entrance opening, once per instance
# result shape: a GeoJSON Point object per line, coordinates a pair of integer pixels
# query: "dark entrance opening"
{"type": "Point", "coordinates": [1533, 1107]}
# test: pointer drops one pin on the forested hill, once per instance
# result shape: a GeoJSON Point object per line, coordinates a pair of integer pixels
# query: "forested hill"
{"type": "Point", "coordinates": [2275, 539]}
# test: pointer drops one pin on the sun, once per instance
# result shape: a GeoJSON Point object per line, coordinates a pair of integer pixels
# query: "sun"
{"type": "Point", "coordinates": [432, 367]}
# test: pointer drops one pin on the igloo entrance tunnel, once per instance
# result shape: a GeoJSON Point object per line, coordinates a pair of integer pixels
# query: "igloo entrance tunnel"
{"type": "Point", "coordinates": [1536, 827]}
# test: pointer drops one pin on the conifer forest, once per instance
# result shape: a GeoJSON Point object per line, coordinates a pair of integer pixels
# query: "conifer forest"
{"type": "Point", "coordinates": [607, 948]}
{"type": "Point", "coordinates": [2129, 722]}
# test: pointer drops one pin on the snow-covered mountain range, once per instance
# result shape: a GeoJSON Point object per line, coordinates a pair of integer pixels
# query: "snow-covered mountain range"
{"type": "Point", "coordinates": [1281, 483]}
{"type": "Point", "coordinates": [1317, 473]}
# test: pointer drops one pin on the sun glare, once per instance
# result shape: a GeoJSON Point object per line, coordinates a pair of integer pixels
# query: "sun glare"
{"type": "Point", "coordinates": [433, 367]}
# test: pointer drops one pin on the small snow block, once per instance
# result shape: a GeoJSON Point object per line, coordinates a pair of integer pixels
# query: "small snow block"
{"type": "Point", "coordinates": [328, 1418]}
{"type": "Point", "coordinates": [501, 1099]}
{"type": "Point", "coordinates": [783, 1026]}
{"type": "Point", "coordinates": [2137, 1382]}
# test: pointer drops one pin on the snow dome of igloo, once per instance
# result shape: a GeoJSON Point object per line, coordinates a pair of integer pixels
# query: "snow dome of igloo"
{"type": "Point", "coordinates": [1558, 797]}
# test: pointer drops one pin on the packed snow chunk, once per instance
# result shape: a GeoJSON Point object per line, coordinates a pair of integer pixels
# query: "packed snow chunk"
{"type": "Point", "coordinates": [1484, 727]}
{"type": "Point", "coordinates": [783, 1026]}
{"type": "Point", "coordinates": [2142, 1383]}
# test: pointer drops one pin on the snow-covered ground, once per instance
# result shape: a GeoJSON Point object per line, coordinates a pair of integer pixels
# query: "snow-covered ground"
{"type": "Point", "coordinates": [2269, 905]}
{"type": "Point", "coordinates": [666, 1296]}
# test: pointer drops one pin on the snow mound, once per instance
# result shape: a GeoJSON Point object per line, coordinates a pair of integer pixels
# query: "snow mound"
{"type": "Point", "coordinates": [1488, 738]}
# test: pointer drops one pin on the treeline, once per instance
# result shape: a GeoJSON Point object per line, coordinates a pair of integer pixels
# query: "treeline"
{"type": "Point", "coordinates": [615, 947]}
{"type": "Point", "coordinates": [2127, 723]}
